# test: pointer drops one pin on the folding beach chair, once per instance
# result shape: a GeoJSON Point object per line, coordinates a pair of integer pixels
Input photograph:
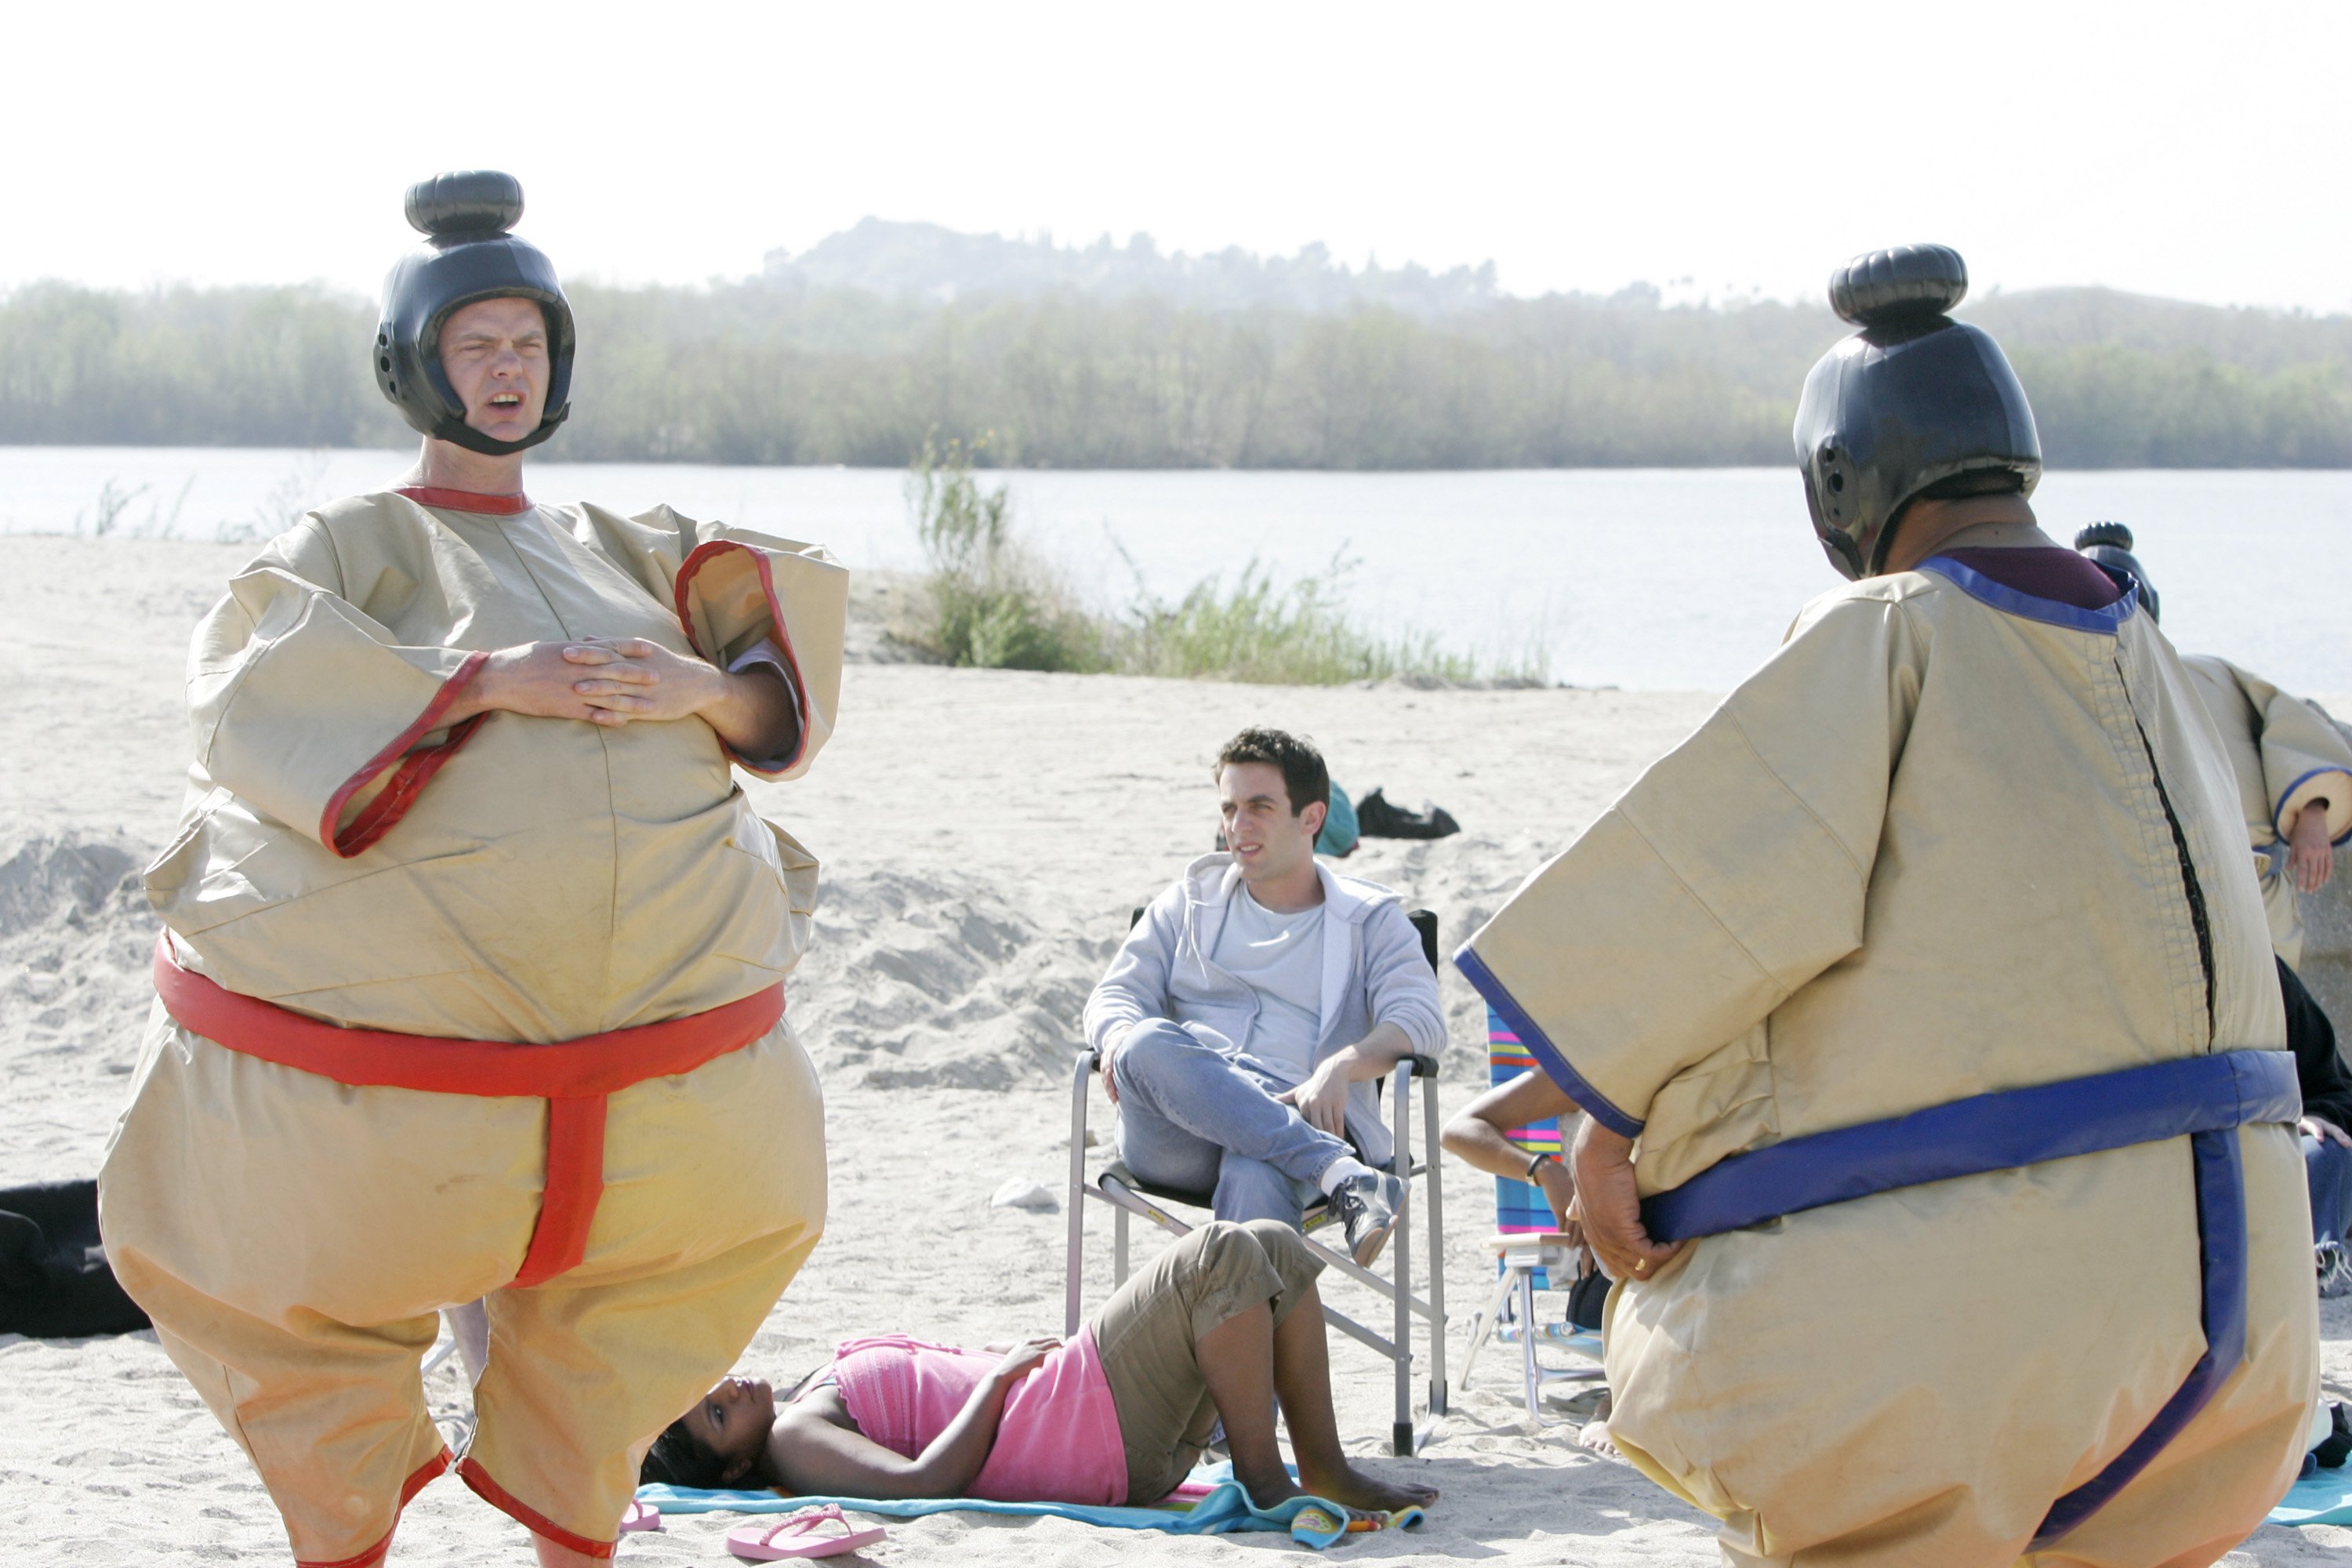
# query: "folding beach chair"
{"type": "Point", "coordinates": [1527, 1251]}
{"type": "Point", "coordinates": [1128, 1194]}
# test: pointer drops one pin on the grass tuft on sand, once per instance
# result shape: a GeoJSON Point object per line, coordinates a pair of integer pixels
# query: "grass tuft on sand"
{"type": "Point", "coordinates": [994, 603]}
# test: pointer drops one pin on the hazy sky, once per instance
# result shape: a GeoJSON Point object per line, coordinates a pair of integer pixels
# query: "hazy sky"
{"type": "Point", "coordinates": [2192, 151]}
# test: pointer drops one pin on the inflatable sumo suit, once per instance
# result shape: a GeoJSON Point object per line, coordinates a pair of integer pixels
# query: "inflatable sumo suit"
{"type": "Point", "coordinates": [1927, 978]}
{"type": "Point", "coordinates": [2283, 752]}
{"type": "Point", "coordinates": [486, 1009]}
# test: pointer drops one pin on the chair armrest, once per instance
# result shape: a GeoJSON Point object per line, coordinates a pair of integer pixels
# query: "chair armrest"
{"type": "Point", "coordinates": [1423, 1066]}
{"type": "Point", "coordinates": [1507, 1240]}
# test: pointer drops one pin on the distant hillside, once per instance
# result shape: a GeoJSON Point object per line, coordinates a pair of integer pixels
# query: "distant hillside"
{"type": "Point", "coordinates": [940, 265]}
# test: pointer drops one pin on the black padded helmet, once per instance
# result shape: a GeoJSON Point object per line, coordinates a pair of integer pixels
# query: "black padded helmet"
{"type": "Point", "coordinates": [2110, 544]}
{"type": "Point", "coordinates": [467, 255]}
{"type": "Point", "coordinates": [1913, 399]}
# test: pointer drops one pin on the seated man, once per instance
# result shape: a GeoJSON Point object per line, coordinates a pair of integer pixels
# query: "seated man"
{"type": "Point", "coordinates": [1251, 1009]}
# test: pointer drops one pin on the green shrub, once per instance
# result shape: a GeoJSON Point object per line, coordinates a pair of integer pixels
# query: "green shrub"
{"type": "Point", "coordinates": [994, 604]}
{"type": "Point", "coordinates": [1259, 632]}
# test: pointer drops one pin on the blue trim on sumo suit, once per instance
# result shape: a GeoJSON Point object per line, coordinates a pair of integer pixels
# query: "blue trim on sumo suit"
{"type": "Point", "coordinates": [1589, 1100]}
{"type": "Point", "coordinates": [2205, 1098]}
{"type": "Point", "coordinates": [2288, 794]}
{"type": "Point", "coordinates": [2052, 612]}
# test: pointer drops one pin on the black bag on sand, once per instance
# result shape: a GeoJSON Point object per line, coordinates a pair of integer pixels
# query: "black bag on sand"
{"type": "Point", "coordinates": [1376, 817]}
{"type": "Point", "coordinates": [54, 1280]}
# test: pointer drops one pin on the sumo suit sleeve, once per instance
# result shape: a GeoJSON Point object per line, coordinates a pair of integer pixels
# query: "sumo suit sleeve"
{"type": "Point", "coordinates": [2304, 758]}
{"type": "Point", "coordinates": [311, 710]}
{"type": "Point", "coordinates": [733, 589]}
{"type": "Point", "coordinates": [1730, 874]}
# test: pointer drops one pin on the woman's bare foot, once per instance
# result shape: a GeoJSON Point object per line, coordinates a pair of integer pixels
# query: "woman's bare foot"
{"type": "Point", "coordinates": [1354, 1488]}
{"type": "Point", "coordinates": [1594, 1434]}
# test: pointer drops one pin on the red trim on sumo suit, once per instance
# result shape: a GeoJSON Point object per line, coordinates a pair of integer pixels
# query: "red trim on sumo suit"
{"type": "Point", "coordinates": [572, 1075]}
{"type": "Point", "coordinates": [408, 1490]}
{"type": "Point", "coordinates": [506, 1502]}
{"type": "Point", "coordinates": [416, 769]}
{"type": "Point", "coordinates": [465, 500]}
{"type": "Point", "coordinates": [703, 555]}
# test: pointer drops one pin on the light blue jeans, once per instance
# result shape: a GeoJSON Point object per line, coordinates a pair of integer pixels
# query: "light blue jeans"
{"type": "Point", "coordinates": [1192, 1118]}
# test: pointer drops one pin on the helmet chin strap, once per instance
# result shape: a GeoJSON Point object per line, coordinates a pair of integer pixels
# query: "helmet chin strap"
{"type": "Point", "coordinates": [458, 432]}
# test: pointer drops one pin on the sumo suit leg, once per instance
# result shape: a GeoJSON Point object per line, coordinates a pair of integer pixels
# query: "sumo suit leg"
{"type": "Point", "coordinates": [293, 1238]}
{"type": "Point", "coordinates": [2212, 1485]}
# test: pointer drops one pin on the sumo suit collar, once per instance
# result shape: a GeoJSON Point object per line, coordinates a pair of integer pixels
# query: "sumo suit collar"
{"type": "Point", "coordinates": [467, 255]}
{"type": "Point", "coordinates": [1913, 399]}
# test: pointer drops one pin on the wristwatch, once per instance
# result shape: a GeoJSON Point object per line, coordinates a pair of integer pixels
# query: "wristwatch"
{"type": "Point", "coordinates": [1541, 1158]}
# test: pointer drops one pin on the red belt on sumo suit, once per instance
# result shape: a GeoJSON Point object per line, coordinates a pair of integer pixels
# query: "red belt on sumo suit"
{"type": "Point", "coordinates": [574, 1076]}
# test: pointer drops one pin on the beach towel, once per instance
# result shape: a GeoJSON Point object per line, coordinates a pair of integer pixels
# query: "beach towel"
{"type": "Point", "coordinates": [1210, 1502]}
{"type": "Point", "coordinates": [2324, 1496]}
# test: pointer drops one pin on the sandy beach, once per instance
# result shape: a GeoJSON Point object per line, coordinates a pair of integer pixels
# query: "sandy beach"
{"type": "Point", "coordinates": [984, 834]}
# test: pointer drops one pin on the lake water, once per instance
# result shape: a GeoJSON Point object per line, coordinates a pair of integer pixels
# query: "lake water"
{"type": "Point", "coordinates": [1660, 579]}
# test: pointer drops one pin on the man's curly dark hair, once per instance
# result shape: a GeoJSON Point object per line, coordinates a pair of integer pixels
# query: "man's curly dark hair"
{"type": "Point", "coordinates": [1303, 777]}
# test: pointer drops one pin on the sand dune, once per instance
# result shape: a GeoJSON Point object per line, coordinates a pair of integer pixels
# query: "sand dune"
{"type": "Point", "coordinates": [984, 835]}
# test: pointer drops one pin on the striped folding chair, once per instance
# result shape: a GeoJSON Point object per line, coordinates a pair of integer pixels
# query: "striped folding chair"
{"type": "Point", "coordinates": [1527, 1250]}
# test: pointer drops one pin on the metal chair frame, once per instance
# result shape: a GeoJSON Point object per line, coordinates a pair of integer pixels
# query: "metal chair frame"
{"type": "Point", "coordinates": [1126, 1193]}
{"type": "Point", "coordinates": [1524, 1255]}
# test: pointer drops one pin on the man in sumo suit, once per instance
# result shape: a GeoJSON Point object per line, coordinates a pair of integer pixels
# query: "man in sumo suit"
{"type": "Point", "coordinates": [472, 979]}
{"type": "Point", "coordinates": [1939, 1133]}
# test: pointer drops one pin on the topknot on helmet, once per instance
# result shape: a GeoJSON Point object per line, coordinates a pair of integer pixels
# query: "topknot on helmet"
{"type": "Point", "coordinates": [466, 203]}
{"type": "Point", "coordinates": [2109, 545]}
{"type": "Point", "coordinates": [1912, 400]}
{"type": "Point", "coordinates": [1904, 284]}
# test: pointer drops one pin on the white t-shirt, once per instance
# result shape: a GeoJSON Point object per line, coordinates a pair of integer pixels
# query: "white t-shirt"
{"type": "Point", "coordinates": [1280, 957]}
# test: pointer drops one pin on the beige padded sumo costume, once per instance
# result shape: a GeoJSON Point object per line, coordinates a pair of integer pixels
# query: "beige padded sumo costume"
{"type": "Point", "coordinates": [1929, 975]}
{"type": "Point", "coordinates": [2283, 753]}
{"type": "Point", "coordinates": [492, 1009]}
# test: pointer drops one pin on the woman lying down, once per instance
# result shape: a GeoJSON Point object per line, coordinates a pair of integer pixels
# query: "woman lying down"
{"type": "Point", "coordinates": [1224, 1323]}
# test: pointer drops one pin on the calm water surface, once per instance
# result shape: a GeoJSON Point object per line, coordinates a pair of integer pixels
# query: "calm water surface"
{"type": "Point", "coordinates": [1647, 578]}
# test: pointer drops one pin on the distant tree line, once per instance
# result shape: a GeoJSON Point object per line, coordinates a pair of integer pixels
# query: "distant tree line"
{"type": "Point", "coordinates": [758, 372]}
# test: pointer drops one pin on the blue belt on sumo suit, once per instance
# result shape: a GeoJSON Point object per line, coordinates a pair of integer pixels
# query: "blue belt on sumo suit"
{"type": "Point", "coordinates": [2204, 1099]}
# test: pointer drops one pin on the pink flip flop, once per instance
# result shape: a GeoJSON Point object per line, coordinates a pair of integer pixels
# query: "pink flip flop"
{"type": "Point", "coordinates": [640, 1516]}
{"type": "Point", "coordinates": [796, 1535]}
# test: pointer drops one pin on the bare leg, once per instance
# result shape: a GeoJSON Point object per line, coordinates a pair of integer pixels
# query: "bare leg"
{"type": "Point", "coordinates": [1302, 1378]}
{"type": "Point", "coordinates": [553, 1555]}
{"type": "Point", "coordinates": [1236, 1360]}
{"type": "Point", "coordinates": [1247, 1363]}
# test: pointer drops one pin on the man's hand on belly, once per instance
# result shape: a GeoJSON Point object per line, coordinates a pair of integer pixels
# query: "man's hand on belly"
{"type": "Point", "coordinates": [543, 679]}
{"type": "Point", "coordinates": [615, 681]}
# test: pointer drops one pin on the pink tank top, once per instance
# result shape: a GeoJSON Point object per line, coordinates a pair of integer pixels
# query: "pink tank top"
{"type": "Point", "coordinates": [1059, 1439]}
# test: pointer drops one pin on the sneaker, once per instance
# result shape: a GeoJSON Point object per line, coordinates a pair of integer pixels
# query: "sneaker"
{"type": "Point", "coordinates": [1368, 1206]}
{"type": "Point", "coordinates": [2334, 1268]}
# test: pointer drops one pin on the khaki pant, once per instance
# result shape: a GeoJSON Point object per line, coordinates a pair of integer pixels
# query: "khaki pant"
{"type": "Point", "coordinates": [293, 1238]}
{"type": "Point", "coordinates": [1148, 1331]}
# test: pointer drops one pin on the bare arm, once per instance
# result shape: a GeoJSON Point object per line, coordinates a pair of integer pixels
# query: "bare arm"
{"type": "Point", "coordinates": [814, 1456]}
{"type": "Point", "coordinates": [1476, 1136]}
{"type": "Point", "coordinates": [1322, 1099]}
